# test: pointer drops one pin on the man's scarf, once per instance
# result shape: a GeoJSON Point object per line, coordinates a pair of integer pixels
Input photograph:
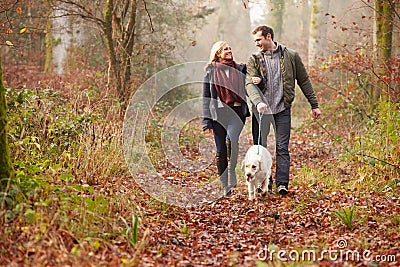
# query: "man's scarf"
{"type": "Point", "coordinates": [229, 90]}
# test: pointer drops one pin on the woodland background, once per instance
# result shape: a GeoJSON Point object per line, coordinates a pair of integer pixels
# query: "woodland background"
{"type": "Point", "coordinates": [68, 70]}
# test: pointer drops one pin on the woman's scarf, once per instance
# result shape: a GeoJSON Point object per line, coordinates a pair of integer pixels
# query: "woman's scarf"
{"type": "Point", "coordinates": [229, 90]}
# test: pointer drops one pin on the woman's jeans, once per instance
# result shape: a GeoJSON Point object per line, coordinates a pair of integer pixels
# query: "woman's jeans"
{"type": "Point", "coordinates": [228, 127]}
{"type": "Point", "coordinates": [281, 123]}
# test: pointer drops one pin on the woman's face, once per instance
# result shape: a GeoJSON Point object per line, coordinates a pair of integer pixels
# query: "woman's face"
{"type": "Point", "coordinates": [226, 53]}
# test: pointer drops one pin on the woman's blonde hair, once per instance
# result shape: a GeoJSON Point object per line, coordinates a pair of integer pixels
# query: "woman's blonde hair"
{"type": "Point", "coordinates": [216, 50]}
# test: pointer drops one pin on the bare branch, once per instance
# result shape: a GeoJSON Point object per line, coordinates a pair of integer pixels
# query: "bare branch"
{"type": "Point", "coordinates": [349, 100]}
{"type": "Point", "coordinates": [148, 14]}
{"type": "Point", "coordinates": [5, 7]}
{"type": "Point", "coordinates": [352, 153]}
{"type": "Point", "coordinates": [390, 3]}
{"type": "Point", "coordinates": [381, 79]}
{"type": "Point", "coordinates": [125, 9]}
{"type": "Point", "coordinates": [381, 160]}
{"type": "Point", "coordinates": [77, 10]}
{"type": "Point", "coordinates": [393, 5]}
{"type": "Point", "coordinates": [130, 28]}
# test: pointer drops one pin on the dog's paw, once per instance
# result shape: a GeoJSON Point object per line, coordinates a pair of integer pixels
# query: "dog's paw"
{"type": "Point", "coordinates": [259, 189]}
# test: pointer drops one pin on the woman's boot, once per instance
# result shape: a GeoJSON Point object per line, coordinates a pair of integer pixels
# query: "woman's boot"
{"type": "Point", "coordinates": [222, 164]}
{"type": "Point", "coordinates": [232, 181]}
{"type": "Point", "coordinates": [228, 149]}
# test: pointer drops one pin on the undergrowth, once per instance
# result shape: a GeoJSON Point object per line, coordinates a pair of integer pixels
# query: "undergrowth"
{"type": "Point", "coordinates": [364, 142]}
{"type": "Point", "coordinates": [363, 145]}
{"type": "Point", "coordinates": [67, 162]}
{"type": "Point", "coordinates": [71, 188]}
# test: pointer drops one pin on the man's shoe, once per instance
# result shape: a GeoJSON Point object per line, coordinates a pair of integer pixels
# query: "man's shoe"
{"type": "Point", "coordinates": [282, 190]}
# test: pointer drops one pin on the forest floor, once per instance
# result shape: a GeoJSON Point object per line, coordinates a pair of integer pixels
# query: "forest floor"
{"type": "Point", "coordinates": [329, 218]}
{"type": "Point", "coordinates": [234, 231]}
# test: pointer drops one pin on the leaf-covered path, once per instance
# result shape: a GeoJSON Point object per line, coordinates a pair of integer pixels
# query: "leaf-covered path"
{"type": "Point", "coordinates": [300, 229]}
{"type": "Point", "coordinates": [234, 231]}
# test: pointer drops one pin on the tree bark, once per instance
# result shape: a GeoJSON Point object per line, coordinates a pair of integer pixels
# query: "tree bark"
{"type": "Point", "coordinates": [383, 32]}
{"type": "Point", "coordinates": [48, 67]}
{"type": "Point", "coordinates": [231, 15]}
{"type": "Point", "coordinates": [318, 28]}
{"type": "Point", "coordinates": [113, 74]}
{"type": "Point", "coordinates": [128, 42]}
{"type": "Point", "coordinates": [122, 24]}
{"type": "Point", "coordinates": [119, 31]}
{"type": "Point", "coordinates": [5, 160]}
{"type": "Point", "coordinates": [304, 29]}
{"type": "Point", "coordinates": [276, 21]}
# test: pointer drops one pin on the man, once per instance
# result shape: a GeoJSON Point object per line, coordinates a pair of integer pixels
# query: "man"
{"type": "Point", "coordinates": [270, 85]}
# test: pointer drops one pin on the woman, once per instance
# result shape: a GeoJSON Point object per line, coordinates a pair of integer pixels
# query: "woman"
{"type": "Point", "coordinates": [225, 109]}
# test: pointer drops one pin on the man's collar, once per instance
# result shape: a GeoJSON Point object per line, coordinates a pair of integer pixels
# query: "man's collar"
{"type": "Point", "coordinates": [273, 51]}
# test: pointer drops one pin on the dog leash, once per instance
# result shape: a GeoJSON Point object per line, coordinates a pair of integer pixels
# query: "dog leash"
{"type": "Point", "coordinates": [259, 133]}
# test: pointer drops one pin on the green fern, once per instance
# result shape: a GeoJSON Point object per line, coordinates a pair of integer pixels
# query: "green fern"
{"type": "Point", "coordinates": [346, 216]}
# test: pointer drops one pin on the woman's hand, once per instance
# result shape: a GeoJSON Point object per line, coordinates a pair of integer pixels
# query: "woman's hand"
{"type": "Point", "coordinates": [256, 80]}
{"type": "Point", "coordinates": [208, 130]}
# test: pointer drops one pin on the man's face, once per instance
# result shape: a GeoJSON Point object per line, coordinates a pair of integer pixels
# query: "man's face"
{"type": "Point", "coordinates": [262, 42]}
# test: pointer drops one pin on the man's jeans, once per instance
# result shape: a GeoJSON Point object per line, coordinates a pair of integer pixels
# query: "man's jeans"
{"type": "Point", "coordinates": [281, 123]}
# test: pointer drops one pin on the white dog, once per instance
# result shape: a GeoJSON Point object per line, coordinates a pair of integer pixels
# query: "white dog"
{"type": "Point", "coordinates": [257, 168]}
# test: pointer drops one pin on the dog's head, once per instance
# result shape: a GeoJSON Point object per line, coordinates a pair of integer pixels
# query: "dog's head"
{"type": "Point", "coordinates": [252, 166]}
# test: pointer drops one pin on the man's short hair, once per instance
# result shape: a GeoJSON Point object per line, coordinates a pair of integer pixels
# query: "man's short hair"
{"type": "Point", "coordinates": [264, 31]}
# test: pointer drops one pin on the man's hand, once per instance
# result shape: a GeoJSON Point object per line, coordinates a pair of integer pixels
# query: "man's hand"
{"type": "Point", "coordinates": [262, 107]}
{"type": "Point", "coordinates": [316, 112]}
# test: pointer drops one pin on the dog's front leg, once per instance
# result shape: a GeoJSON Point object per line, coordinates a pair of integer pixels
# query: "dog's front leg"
{"type": "Point", "coordinates": [251, 190]}
{"type": "Point", "coordinates": [264, 187]}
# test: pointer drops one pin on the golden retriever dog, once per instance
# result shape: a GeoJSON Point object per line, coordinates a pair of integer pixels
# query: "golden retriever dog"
{"type": "Point", "coordinates": [257, 168]}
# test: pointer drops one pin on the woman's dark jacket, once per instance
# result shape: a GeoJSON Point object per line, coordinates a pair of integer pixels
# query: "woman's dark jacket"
{"type": "Point", "coordinates": [210, 102]}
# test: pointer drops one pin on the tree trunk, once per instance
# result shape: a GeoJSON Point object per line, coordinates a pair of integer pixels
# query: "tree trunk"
{"type": "Point", "coordinates": [318, 28]}
{"type": "Point", "coordinates": [231, 15]}
{"type": "Point", "coordinates": [383, 31]}
{"type": "Point", "coordinates": [119, 31]}
{"type": "Point", "coordinates": [48, 67]}
{"type": "Point", "coordinates": [396, 32]}
{"type": "Point", "coordinates": [304, 28]}
{"type": "Point", "coordinates": [276, 15]}
{"type": "Point", "coordinates": [5, 161]}
{"type": "Point", "coordinates": [128, 42]}
{"type": "Point", "coordinates": [113, 73]}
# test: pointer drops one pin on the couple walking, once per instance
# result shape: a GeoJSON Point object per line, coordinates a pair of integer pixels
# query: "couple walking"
{"type": "Point", "coordinates": [268, 80]}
